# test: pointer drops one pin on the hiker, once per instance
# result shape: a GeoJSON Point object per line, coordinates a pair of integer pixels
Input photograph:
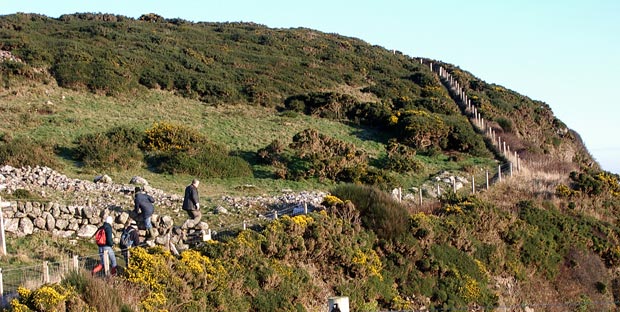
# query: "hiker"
{"type": "Point", "coordinates": [129, 238]}
{"type": "Point", "coordinates": [105, 242]}
{"type": "Point", "coordinates": [143, 208]}
{"type": "Point", "coordinates": [191, 202]}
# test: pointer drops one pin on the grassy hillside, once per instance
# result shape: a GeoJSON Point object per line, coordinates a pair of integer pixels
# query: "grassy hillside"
{"type": "Point", "coordinates": [240, 103]}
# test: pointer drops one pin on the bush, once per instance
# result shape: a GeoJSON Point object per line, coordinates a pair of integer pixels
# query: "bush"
{"type": "Point", "coordinates": [115, 149]}
{"type": "Point", "coordinates": [25, 151]}
{"type": "Point", "coordinates": [205, 161]}
{"type": "Point", "coordinates": [170, 137]}
{"type": "Point", "coordinates": [401, 158]}
{"type": "Point", "coordinates": [378, 210]}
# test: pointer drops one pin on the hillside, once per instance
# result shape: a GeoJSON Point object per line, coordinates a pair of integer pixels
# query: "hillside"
{"type": "Point", "coordinates": [253, 110]}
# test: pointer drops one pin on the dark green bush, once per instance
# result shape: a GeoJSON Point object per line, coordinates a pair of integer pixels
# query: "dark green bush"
{"type": "Point", "coordinates": [205, 161]}
{"type": "Point", "coordinates": [117, 148]}
{"type": "Point", "coordinates": [24, 151]}
{"type": "Point", "coordinates": [378, 210]}
{"type": "Point", "coordinates": [402, 158]}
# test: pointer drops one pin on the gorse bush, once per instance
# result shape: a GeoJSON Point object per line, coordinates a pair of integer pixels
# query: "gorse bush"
{"type": "Point", "coordinates": [170, 137]}
{"type": "Point", "coordinates": [379, 212]}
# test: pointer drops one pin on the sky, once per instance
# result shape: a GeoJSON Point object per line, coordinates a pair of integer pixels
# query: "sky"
{"type": "Point", "coordinates": [565, 53]}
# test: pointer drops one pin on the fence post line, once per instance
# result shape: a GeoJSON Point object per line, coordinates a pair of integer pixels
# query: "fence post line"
{"type": "Point", "coordinates": [499, 172]}
{"type": "Point", "coordinates": [76, 262]}
{"type": "Point", "coordinates": [510, 169]}
{"type": "Point", "coordinates": [504, 147]}
{"type": "Point", "coordinates": [46, 272]}
{"type": "Point", "coordinates": [106, 262]}
{"type": "Point", "coordinates": [487, 174]}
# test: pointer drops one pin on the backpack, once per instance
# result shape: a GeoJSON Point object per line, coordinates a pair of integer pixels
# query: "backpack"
{"type": "Point", "coordinates": [126, 238]}
{"type": "Point", "coordinates": [100, 237]}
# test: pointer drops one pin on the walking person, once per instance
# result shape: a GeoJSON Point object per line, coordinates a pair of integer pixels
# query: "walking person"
{"type": "Point", "coordinates": [191, 203]}
{"type": "Point", "coordinates": [105, 242]}
{"type": "Point", "coordinates": [129, 238]}
{"type": "Point", "coordinates": [143, 208]}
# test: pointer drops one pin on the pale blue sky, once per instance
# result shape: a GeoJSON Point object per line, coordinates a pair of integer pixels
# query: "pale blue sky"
{"type": "Point", "coordinates": [563, 52]}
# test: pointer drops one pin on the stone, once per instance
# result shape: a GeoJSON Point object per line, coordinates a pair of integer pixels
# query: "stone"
{"type": "Point", "coordinates": [62, 224]}
{"type": "Point", "coordinates": [139, 181]}
{"type": "Point", "coordinates": [89, 212]}
{"type": "Point", "coordinates": [25, 227]}
{"type": "Point", "coordinates": [122, 218]}
{"type": "Point", "coordinates": [221, 210]}
{"type": "Point", "coordinates": [103, 179]}
{"type": "Point", "coordinates": [87, 231]}
{"type": "Point", "coordinates": [11, 225]}
{"type": "Point", "coordinates": [50, 222]}
{"type": "Point", "coordinates": [39, 223]}
{"type": "Point", "coordinates": [166, 222]}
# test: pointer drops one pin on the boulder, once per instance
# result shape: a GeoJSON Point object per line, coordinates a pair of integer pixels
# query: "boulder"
{"type": "Point", "coordinates": [39, 223]}
{"type": "Point", "coordinates": [50, 222]}
{"type": "Point", "coordinates": [11, 225]}
{"type": "Point", "coordinates": [221, 210]}
{"type": "Point", "coordinates": [62, 224]}
{"type": "Point", "coordinates": [25, 227]}
{"type": "Point", "coordinates": [105, 179]}
{"type": "Point", "coordinates": [139, 181]}
{"type": "Point", "coordinates": [87, 231]}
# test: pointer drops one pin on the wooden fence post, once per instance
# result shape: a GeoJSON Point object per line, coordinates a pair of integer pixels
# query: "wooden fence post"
{"type": "Point", "coordinates": [438, 191]}
{"type": "Point", "coordinates": [275, 214]}
{"type": "Point", "coordinates": [2, 234]}
{"type": "Point", "coordinates": [454, 185]}
{"type": "Point", "coordinates": [499, 173]}
{"type": "Point", "coordinates": [76, 262]}
{"type": "Point", "coordinates": [305, 207]}
{"type": "Point", "coordinates": [244, 225]}
{"type": "Point", "coordinates": [106, 263]}
{"type": "Point", "coordinates": [473, 184]}
{"type": "Point", "coordinates": [46, 272]}
{"type": "Point", "coordinates": [510, 169]}
{"type": "Point", "coordinates": [487, 173]}
{"type": "Point", "coordinates": [420, 192]}
{"type": "Point", "coordinates": [1, 286]}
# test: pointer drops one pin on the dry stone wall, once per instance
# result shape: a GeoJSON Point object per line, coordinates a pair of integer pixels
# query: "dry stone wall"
{"type": "Point", "coordinates": [79, 207]}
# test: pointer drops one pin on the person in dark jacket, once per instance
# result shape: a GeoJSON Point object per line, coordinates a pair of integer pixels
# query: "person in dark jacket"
{"type": "Point", "coordinates": [133, 239]}
{"type": "Point", "coordinates": [143, 208]}
{"type": "Point", "coordinates": [191, 202]}
{"type": "Point", "coordinates": [107, 227]}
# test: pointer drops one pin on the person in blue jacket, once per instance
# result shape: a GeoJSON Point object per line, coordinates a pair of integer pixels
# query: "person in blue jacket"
{"type": "Point", "coordinates": [143, 208]}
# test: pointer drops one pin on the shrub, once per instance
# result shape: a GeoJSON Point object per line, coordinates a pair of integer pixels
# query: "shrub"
{"type": "Point", "coordinates": [117, 148]}
{"type": "Point", "coordinates": [421, 129]}
{"type": "Point", "coordinates": [205, 161]}
{"type": "Point", "coordinates": [25, 151]}
{"type": "Point", "coordinates": [379, 212]}
{"type": "Point", "coordinates": [168, 137]}
{"type": "Point", "coordinates": [401, 158]}
{"type": "Point", "coordinates": [324, 157]}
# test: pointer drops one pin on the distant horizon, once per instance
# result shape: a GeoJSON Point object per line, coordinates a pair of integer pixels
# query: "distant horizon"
{"type": "Point", "coordinates": [563, 53]}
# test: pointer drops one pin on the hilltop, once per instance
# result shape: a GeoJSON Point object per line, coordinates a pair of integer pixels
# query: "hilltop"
{"type": "Point", "coordinates": [253, 110]}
